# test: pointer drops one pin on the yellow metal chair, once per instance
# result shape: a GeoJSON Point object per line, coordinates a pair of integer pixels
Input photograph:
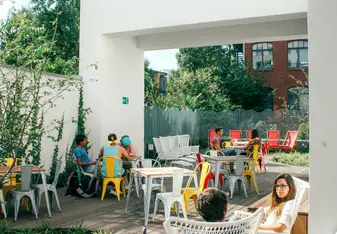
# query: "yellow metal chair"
{"type": "Point", "coordinates": [189, 192]}
{"type": "Point", "coordinates": [112, 170]}
{"type": "Point", "coordinates": [255, 154]}
{"type": "Point", "coordinates": [226, 143]}
{"type": "Point", "coordinates": [248, 170]}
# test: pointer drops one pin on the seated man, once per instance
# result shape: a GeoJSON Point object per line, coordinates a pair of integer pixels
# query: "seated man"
{"type": "Point", "coordinates": [216, 143]}
{"type": "Point", "coordinates": [82, 158]}
{"type": "Point", "coordinates": [212, 205]}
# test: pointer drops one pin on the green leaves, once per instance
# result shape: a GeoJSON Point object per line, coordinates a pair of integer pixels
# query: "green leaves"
{"type": "Point", "coordinates": [210, 78]}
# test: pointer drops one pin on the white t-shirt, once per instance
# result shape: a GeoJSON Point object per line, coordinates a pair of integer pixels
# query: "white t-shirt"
{"type": "Point", "coordinates": [284, 218]}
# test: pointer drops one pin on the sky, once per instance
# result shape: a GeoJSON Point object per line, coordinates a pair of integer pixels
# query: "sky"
{"type": "Point", "coordinates": [159, 59]}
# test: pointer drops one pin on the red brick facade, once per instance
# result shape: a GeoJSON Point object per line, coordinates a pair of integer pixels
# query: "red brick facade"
{"type": "Point", "coordinates": [279, 77]}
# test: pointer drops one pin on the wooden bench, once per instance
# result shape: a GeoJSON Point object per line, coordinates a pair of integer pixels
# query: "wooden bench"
{"type": "Point", "coordinates": [301, 224]}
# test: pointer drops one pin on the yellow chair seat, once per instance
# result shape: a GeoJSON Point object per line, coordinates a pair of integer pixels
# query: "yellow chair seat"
{"type": "Point", "coordinates": [189, 192]}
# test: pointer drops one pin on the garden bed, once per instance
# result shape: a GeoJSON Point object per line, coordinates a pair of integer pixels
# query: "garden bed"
{"type": "Point", "coordinates": [296, 159]}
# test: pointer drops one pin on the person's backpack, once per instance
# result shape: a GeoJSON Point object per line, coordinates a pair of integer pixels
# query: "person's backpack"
{"type": "Point", "coordinates": [82, 185]}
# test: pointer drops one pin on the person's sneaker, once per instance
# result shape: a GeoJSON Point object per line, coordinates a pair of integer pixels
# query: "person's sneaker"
{"type": "Point", "coordinates": [113, 192]}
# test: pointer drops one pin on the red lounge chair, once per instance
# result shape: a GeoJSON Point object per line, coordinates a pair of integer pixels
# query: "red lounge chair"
{"type": "Point", "coordinates": [290, 141]}
{"type": "Point", "coordinates": [235, 134]}
{"type": "Point", "coordinates": [211, 135]}
{"type": "Point", "coordinates": [273, 138]}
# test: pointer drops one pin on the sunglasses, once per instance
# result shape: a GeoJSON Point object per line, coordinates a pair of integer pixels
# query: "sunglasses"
{"type": "Point", "coordinates": [282, 186]}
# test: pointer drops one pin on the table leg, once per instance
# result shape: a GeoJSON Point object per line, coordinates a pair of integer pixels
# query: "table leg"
{"type": "Point", "coordinates": [196, 183]}
{"type": "Point", "coordinates": [147, 200]}
{"type": "Point", "coordinates": [132, 176]}
{"type": "Point", "coordinates": [43, 177]}
{"type": "Point", "coordinates": [217, 172]}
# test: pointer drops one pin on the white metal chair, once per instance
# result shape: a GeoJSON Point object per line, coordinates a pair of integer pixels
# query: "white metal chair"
{"type": "Point", "coordinates": [301, 187]}
{"type": "Point", "coordinates": [178, 150]}
{"type": "Point", "coordinates": [170, 198]}
{"type": "Point", "coordinates": [26, 190]}
{"type": "Point", "coordinates": [238, 176]}
{"type": "Point", "coordinates": [173, 156]}
{"type": "Point", "coordinates": [39, 190]}
{"type": "Point", "coordinates": [149, 163]}
{"type": "Point", "coordinates": [188, 150]}
{"type": "Point", "coordinates": [246, 224]}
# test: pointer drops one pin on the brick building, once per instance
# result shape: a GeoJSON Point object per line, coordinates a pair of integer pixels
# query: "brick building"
{"type": "Point", "coordinates": [279, 60]}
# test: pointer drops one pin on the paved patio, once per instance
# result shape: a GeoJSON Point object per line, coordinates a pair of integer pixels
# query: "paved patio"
{"type": "Point", "coordinates": [108, 214]}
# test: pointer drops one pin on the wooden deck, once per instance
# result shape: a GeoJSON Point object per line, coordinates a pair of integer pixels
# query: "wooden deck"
{"type": "Point", "coordinates": [95, 214]}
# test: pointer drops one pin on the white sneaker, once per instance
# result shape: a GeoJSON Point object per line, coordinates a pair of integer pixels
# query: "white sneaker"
{"type": "Point", "coordinates": [113, 192]}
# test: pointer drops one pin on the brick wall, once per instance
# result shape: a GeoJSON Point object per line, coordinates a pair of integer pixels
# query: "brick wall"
{"type": "Point", "coordinates": [279, 77]}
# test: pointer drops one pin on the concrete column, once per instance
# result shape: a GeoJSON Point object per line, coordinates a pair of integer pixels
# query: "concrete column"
{"type": "Point", "coordinates": [121, 69]}
{"type": "Point", "coordinates": [322, 34]}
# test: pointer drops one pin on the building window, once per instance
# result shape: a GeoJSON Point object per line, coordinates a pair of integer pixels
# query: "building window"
{"type": "Point", "coordinates": [298, 54]}
{"type": "Point", "coordinates": [263, 56]}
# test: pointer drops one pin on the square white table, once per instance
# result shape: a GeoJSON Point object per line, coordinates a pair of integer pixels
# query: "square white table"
{"type": "Point", "coordinates": [149, 174]}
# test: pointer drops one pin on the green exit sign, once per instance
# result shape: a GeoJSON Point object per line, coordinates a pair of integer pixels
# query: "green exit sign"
{"type": "Point", "coordinates": [125, 100]}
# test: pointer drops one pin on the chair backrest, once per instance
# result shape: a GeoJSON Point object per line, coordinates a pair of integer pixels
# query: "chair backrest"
{"type": "Point", "coordinates": [174, 142]}
{"type": "Point", "coordinates": [149, 163]}
{"type": "Point", "coordinates": [26, 177]}
{"type": "Point", "coordinates": [273, 137]}
{"type": "Point", "coordinates": [255, 154]}
{"type": "Point", "coordinates": [184, 140]}
{"type": "Point", "coordinates": [248, 134]}
{"type": "Point", "coordinates": [211, 135]}
{"type": "Point", "coordinates": [57, 172]}
{"type": "Point", "coordinates": [240, 162]}
{"type": "Point", "coordinates": [157, 144]}
{"type": "Point", "coordinates": [301, 187]}
{"type": "Point", "coordinates": [235, 134]}
{"type": "Point", "coordinates": [178, 176]}
{"type": "Point", "coordinates": [112, 167]}
{"type": "Point", "coordinates": [247, 225]}
{"type": "Point", "coordinates": [9, 161]}
{"type": "Point", "coordinates": [291, 138]}
{"type": "Point", "coordinates": [205, 168]}
{"type": "Point", "coordinates": [165, 143]}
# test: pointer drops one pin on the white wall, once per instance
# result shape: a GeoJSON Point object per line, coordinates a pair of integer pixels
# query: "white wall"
{"type": "Point", "coordinates": [68, 106]}
{"type": "Point", "coordinates": [323, 115]}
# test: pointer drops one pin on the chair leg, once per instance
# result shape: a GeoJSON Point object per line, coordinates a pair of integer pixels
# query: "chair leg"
{"type": "Point", "coordinates": [184, 211]}
{"type": "Point", "coordinates": [186, 200]}
{"type": "Point", "coordinates": [244, 187]}
{"type": "Point", "coordinates": [155, 208]}
{"type": "Point", "coordinates": [118, 190]}
{"type": "Point", "coordinates": [16, 208]}
{"type": "Point", "coordinates": [255, 185]}
{"type": "Point", "coordinates": [32, 199]}
{"type": "Point", "coordinates": [103, 189]}
{"type": "Point", "coordinates": [231, 187]}
{"type": "Point", "coordinates": [3, 205]}
{"type": "Point", "coordinates": [123, 187]}
{"type": "Point", "coordinates": [57, 199]}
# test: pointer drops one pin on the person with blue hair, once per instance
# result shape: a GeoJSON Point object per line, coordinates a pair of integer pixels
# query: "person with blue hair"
{"type": "Point", "coordinates": [125, 142]}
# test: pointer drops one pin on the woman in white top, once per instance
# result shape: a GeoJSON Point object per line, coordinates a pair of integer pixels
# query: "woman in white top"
{"type": "Point", "coordinates": [278, 214]}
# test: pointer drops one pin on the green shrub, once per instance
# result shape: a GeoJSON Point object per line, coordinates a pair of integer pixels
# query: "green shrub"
{"type": "Point", "coordinates": [296, 159]}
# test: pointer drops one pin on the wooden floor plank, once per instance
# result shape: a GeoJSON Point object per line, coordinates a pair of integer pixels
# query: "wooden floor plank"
{"type": "Point", "coordinates": [109, 214]}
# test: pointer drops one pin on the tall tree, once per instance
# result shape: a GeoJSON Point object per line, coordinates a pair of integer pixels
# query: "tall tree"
{"type": "Point", "coordinates": [64, 32]}
{"type": "Point", "coordinates": [233, 84]}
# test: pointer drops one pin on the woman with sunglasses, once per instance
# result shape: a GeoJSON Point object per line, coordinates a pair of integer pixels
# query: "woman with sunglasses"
{"type": "Point", "coordinates": [278, 214]}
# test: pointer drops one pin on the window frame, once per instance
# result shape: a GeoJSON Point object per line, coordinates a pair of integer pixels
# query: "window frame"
{"type": "Point", "coordinates": [263, 50]}
{"type": "Point", "coordinates": [297, 49]}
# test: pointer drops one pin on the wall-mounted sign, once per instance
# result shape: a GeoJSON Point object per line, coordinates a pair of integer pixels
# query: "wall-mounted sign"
{"type": "Point", "coordinates": [125, 100]}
